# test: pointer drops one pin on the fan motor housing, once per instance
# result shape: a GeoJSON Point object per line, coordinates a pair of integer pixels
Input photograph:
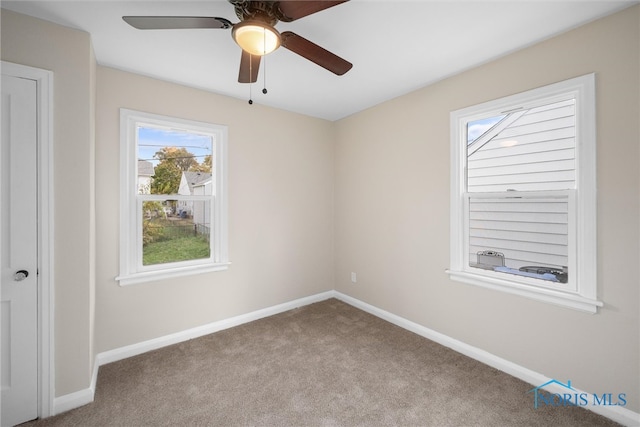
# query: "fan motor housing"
{"type": "Point", "coordinates": [264, 11]}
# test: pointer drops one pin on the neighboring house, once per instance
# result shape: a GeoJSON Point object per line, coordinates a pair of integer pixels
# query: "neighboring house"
{"type": "Point", "coordinates": [529, 151]}
{"type": "Point", "coordinates": [145, 172]}
{"type": "Point", "coordinates": [193, 184]}
{"type": "Point", "coordinates": [202, 211]}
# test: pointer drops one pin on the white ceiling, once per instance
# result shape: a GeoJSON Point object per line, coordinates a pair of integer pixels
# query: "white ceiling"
{"type": "Point", "coordinates": [395, 46]}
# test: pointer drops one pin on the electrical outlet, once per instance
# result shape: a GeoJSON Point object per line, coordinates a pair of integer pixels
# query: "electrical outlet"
{"type": "Point", "coordinates": [354, 278]}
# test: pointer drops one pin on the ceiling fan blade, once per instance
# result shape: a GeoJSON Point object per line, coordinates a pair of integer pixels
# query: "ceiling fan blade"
{"type": "Point", "coordinates": [176, 22]}
{"type": "Point", "coordinates": [249, 66]}
{"type": "Point", "coordinates": [290, 10]}
{"type": "Point", "coordinates": [315, 53]}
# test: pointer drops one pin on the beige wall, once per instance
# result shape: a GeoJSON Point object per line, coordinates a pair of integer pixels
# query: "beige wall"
{"type": "Point", "coordinates": [68, 53]}
{"type": "Point", "coordinates": [392, 213]}
{"type": "Point", "coordinates": [280, 212]}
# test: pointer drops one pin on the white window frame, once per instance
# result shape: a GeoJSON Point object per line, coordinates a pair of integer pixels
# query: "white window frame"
{"type": "Point", "coordinates": [131, 269]}
{"type": "Point", "coordinates": [582, 294]}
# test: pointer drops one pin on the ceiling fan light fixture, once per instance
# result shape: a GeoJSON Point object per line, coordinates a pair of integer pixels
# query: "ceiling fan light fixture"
{"type": "Point", "coordinates": [256, 38]}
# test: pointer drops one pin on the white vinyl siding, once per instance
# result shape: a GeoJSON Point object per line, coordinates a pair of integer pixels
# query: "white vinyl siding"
{"type": "Point", "coordinates": [534, 152]}
{"type": "Point", "coordinates": [531, 230]}
{"type": "Point", "coordinates": [520, 154]}
{"type": "Point", "coordinates": [523, 190]}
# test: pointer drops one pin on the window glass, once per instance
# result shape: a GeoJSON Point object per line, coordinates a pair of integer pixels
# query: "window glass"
{"type": "Point", "coordinates": [171, 238]}
{"type": "Point", "coordinates": [531, 150]}
{"type": "Point", "coordinates": [479, 127]}
{"type": "Point", "coordinates": [528, 150]}
{"type": "Point", "coordinates": [523, 236]}
{"type": "Point", "coordinates": [171, 152]}
{"type": "Point", "coordinates": [180, 162]}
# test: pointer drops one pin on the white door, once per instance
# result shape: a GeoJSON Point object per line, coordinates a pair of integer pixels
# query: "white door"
{"type": "Point", "coordinates": [18, 254]}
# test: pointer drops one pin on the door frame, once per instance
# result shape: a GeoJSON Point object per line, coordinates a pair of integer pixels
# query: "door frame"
{"type": "Point", "coordinates": [44, 168]}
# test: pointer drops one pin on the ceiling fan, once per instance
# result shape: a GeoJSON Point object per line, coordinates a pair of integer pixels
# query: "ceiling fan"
{"type": "Point", "coordinates": [256, 33]}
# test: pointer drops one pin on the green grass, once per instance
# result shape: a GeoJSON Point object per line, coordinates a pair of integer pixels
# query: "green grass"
{"type": "Point", "coordinates": [177, 249]}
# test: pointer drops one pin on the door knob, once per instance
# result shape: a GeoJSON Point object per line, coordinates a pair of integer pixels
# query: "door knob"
{"type": "Point", "coordinates": [20, 275]}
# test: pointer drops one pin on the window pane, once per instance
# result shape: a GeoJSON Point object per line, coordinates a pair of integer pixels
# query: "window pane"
{"type": "Point", "coordinates": [522, 236]}
{"type": "Point", "coordinates": [527, 150]}
{"type": "Point", "coordinates": [174, 231]}
{"type": "Point", "coordinates": [166, 155]}
{"type": "Point", "coordinates": [477, 128]}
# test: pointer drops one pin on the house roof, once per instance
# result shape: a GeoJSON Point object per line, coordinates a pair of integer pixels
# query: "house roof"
{"type": "Point", "coordinates": [196, 178]}
{"type": "Point", "coordinates": [145, 168]}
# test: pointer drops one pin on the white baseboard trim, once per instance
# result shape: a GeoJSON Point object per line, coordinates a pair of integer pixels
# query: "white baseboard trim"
{"type": "Point", "coordinates": [616, 413]}
{"type": "Point", "coordinates": [156, 343]}
{"type": "Point", "coordinates": [74, 400]}
{"type": "Point", "coordinates": [79, 398]}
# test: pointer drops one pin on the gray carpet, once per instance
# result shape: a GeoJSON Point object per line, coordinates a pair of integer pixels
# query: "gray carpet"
{"type": "Point", "coordinates": [326, 364]}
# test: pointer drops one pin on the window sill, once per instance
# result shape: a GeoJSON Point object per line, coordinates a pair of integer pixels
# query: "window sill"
{"type": "Point", "coordinates": [563, 299]}
{"type": "Point", "coordinates": [148, 276]}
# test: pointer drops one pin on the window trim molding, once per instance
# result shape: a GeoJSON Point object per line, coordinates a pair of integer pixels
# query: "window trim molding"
{"type": "Point", "coordinates": [582, 89]}
{"type": "Point", "coordinates": [129, 272]}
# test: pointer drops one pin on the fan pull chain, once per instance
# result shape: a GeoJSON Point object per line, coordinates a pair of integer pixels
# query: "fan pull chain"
{"type": "Point", "coordinates": [264, 75]}
{"type": "Point", "coordinates": [250, 82]}
{"type": "Point", "coordinates": [264, 67]}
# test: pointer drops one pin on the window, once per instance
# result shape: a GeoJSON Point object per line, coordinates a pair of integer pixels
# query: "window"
{"type": "Point", "coordinates": [523, 198]}
{"type": "Point", "coordinates": [173, 218]}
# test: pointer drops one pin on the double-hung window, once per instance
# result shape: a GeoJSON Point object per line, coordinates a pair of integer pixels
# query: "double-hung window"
{"type": "Point", "coordinates": [173, 213]}
{"type": "Point", "coordinates": [523, 199]}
